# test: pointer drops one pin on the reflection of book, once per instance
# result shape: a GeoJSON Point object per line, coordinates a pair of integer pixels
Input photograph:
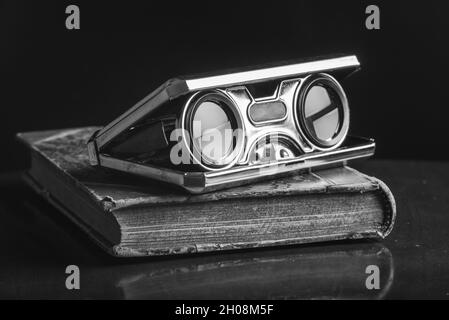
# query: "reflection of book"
{"type": "Point", "coordinates": [130, 216]}
{"type": "Point", "coordinates": [327, 272]}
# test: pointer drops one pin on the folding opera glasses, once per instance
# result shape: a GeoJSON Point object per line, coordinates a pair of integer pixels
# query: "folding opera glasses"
{"type": "Point", "coordinates": [215, 131]}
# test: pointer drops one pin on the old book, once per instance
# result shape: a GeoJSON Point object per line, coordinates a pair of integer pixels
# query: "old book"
{"type": "Point", "coordinates": [130, 216]}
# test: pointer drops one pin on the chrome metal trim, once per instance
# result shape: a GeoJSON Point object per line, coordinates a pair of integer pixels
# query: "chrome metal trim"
{"type": "Point", "coordinates": [355, 151]}
{"type": "Point", "coordinates": [273, 98]}
{"type": "Point", "coordinates": [285, 127]}
{"type": "Point", "coordinates": [200, 182]}
{"type": "Point", "coordinates": [177, 87]}
{"type": "Point", "coordinates": [291, 70]}
{"type": "Point", "coordinates": [239, 176]}
{"type": "Point", "coordinates": [158, 173]}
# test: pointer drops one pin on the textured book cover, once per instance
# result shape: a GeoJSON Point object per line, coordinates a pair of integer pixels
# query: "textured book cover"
{"type": "Point", "coordinates": [130, 216]}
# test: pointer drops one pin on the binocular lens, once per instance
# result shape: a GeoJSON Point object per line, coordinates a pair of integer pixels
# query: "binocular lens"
{"type": "Point", "coordinates": [213, 131]}
{"type": "Point", "coordinates": [323, 112]}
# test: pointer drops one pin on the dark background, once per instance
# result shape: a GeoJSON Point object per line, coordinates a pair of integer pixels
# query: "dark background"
{"type": "Point", "coordinates": [54, 78]}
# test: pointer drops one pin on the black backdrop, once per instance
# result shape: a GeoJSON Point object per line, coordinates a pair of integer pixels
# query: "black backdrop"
{"type": "Point", "coordinates": [54, 78]}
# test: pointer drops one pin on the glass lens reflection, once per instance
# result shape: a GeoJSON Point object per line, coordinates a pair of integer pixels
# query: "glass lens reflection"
{"type": "Point", "coordinates": [212, 131]}
{"type": "Point", "coordinates": [321, 112]}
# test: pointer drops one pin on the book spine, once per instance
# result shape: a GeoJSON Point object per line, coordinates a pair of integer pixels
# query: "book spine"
{"type": "Point", "coordinates": [389, 209]}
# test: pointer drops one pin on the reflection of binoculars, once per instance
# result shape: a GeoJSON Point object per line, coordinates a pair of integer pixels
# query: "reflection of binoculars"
{"type": "Point", "coordinates": [214, 131]}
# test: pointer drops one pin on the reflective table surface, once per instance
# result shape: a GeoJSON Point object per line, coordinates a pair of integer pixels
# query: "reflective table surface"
{"type": "Point", "coordinates": [38, 244]}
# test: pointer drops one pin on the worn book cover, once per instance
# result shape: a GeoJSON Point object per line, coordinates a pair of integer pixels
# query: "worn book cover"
{"type": "Point", "coordinates": [130, 216]}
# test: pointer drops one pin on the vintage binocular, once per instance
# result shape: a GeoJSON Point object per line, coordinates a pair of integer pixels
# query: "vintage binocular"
{"type": "Point", "coordinates": [219, 130]}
